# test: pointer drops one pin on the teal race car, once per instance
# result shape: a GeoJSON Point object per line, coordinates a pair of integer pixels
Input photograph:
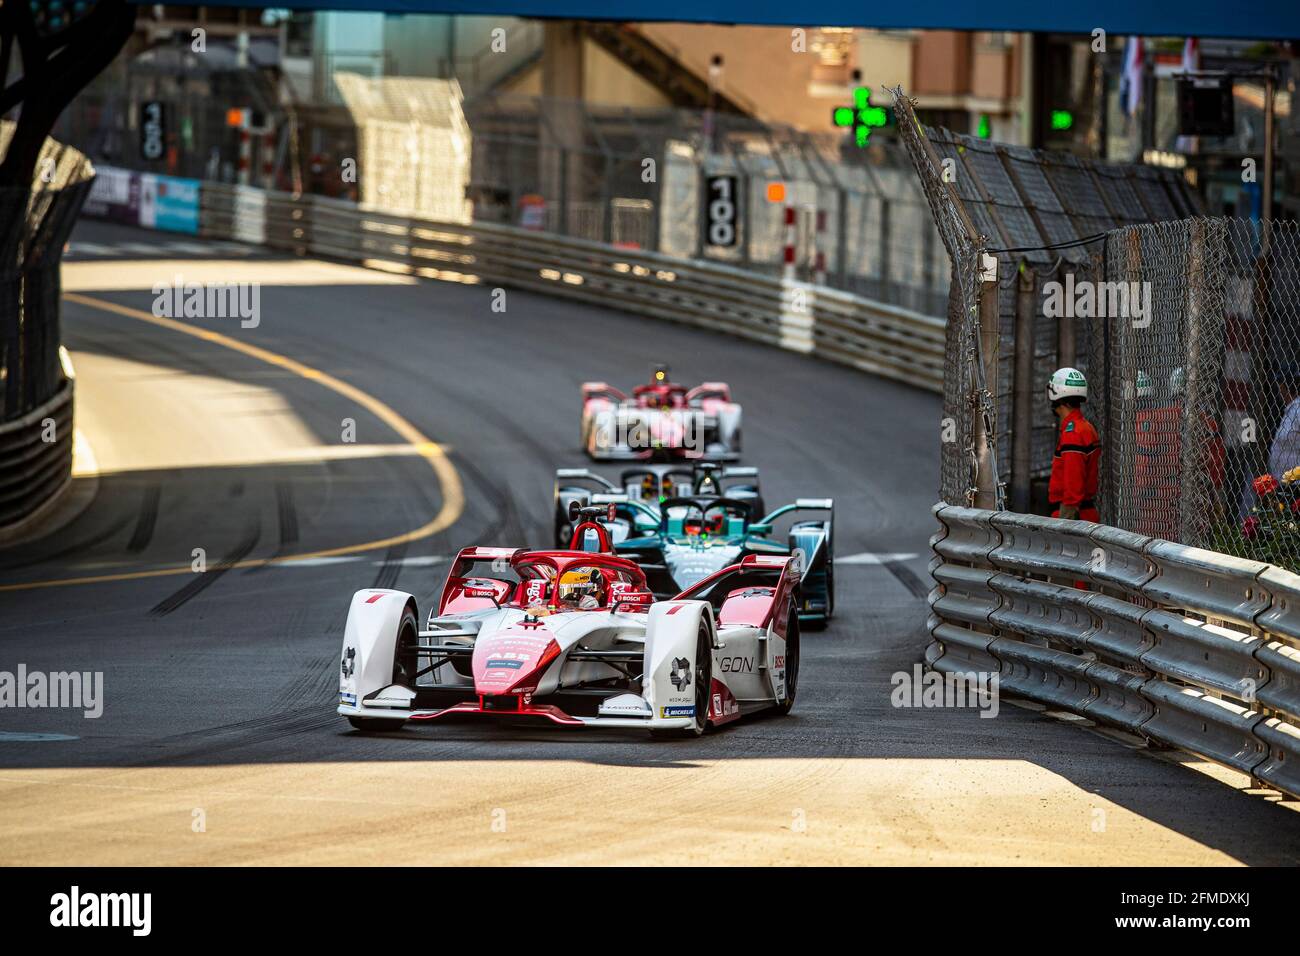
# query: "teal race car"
{"type": "Point", "coordinates": [682, 540]}
{"type": "Point", "coordinates": [651, 484]}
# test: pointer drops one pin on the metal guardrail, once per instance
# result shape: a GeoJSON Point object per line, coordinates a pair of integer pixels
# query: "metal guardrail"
{"type": "Point", "coordinates": [1192, 649]}
{"type": "Point", "coordinates": [883, 340]}
{"type": "Point", "coordinates": [33, 470]}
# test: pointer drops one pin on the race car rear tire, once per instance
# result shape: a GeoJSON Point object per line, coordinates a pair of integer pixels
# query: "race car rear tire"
{"type": "Point", "coordinates": [830, 583]}
{"type": "Point", "coordinates": [702, 671]}
{"type": "Point", "coordinates": [791, 662]}
{"type": "Point", "coordinates": [376, 724]}
{"type": "Point", "coordinates": [822, 622]}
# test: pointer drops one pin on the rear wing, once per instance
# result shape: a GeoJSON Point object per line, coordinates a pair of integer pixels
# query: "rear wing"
{"type": "Point", "coordinates": [734, 475]}
{"type": "Point", "coordinates": [801, 504]}
{"type": "Point", "coordinates": [584, 476]}
{"type": "Point", "coordinates": [719, 390]}
{"type": "Point", "coordinates": [602, 390]}
{"type": "Point", "coordinates": [722, 476]}
{"type": "Point", "coordinates": [778, 572]}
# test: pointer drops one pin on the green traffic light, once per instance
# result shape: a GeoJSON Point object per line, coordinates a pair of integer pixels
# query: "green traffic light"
{"type": "Point", "coordinates": [1062, 119]}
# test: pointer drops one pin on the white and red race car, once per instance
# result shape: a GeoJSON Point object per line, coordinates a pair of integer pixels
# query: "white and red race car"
{"type": "Point", "coordinates": [575, 638]}
{"type": "Point", "coordinates": [661, 421]}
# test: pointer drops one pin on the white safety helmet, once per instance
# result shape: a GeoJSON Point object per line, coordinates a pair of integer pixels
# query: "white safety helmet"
{"type": "Point", "coordinates": [1144, 389]}
{"type": "Point", "coordinates": [1067, 383]}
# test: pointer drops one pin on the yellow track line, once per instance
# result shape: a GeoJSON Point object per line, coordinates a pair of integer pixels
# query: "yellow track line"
{"type": "Point", "coordinates": [453, 495]}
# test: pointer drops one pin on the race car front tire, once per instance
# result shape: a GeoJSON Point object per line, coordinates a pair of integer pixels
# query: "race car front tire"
{"type": "Point", "coordinates": [702, 669]}
{"type": "Point", "coordinates": [406, 664]}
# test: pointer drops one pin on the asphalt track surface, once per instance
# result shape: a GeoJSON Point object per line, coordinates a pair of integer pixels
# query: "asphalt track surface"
{"type": "Point", "coordinates": [219, 743]}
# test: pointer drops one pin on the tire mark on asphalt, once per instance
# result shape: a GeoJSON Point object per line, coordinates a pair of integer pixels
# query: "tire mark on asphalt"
{"type": "Point", "coordinates": [907, 577]}
{"type": "Point", "coordinates": [205, 579]}
{"type": "Point", "coordinates": [76, 547]}
{"type": "Point", "coordinates": [259, 730]}
{"type": "Point", "coordinates": [391, 568]}
{"type": "Point", "coordinates": [147, 519]}
{"type": "Point", "coordinates": [315, 685]}
{"type": "Point", "coordinates": [288, 515]}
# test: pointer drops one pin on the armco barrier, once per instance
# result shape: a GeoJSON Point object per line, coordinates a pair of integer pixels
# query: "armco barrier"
{"type": "Point", "coordinates": [880, 339]}
{"type": "Point", "coordinates": [1190, 648]}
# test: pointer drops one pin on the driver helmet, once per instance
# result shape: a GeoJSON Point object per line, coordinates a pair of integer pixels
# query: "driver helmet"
{"type": "Point", "coordinates": [580, 588]}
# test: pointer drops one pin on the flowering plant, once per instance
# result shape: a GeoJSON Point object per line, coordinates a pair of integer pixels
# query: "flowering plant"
{"type": "Point", "coordinates": [1276, 512]}
{"type": "Point", "coordinates": [1265, 485]}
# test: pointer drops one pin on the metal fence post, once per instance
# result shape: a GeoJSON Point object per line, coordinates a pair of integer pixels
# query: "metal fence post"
{"type": "Point", "coordinates": [841, 238]}
{"type": "Point", "coordinates": [885, 246]}
{"type": "Point", "coordinates": [657, 212]}
{"type": "Point", "coordinates": [746, 223]}
{"type": "Point", "coordinates": [1022, 411]}
{"type": "Point", "coordinates": [564, 191]}
{"type": "Point", "coordinates": [701, 210]}
{"type": "Point", "coordinates": [607, 202]}
{"type": "Point", "coordinates": [927, 259]}
{"type": "Point", "coordinates": [986, 491]}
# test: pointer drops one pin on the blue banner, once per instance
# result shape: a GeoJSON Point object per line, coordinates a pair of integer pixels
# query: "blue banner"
{"type": "Point", "coordinates": [169, 203]}
{"type": "Point", "coordinates": [1276, 19]}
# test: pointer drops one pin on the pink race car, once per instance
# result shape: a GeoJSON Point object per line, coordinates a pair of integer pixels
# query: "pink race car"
{"type": "Point", "coordinates": [662, 421]}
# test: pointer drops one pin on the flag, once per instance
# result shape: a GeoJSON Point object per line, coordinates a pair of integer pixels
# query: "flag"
{"type": "Point", "coordinates": [1130, 87]}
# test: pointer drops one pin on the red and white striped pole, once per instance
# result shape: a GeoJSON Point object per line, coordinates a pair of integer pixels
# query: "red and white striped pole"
{"type": "Point", "coordinates": [791, 242]}
{"type": "Point", "coordinates": [268, 157]}
{"type": "Point", "coordinates": [819, 249]}
{"type": "Point", "coordinates": [245, 154]}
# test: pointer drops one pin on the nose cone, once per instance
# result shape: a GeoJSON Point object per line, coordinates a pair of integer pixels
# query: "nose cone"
{"type": "Point", "coordinates": [512, 657]}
